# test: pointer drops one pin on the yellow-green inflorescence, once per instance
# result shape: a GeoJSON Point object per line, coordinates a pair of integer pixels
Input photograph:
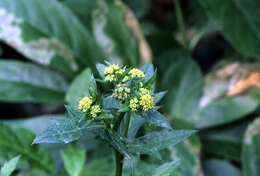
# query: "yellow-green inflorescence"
{"type": "Point", "coordinates": [143, 101]}
{"type": "Point", "coordinates": [86, 105]}
{"type": "Point", "coordinates": [112, 72]}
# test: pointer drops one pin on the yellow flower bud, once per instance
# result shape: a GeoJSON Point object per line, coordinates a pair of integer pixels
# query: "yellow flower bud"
{"type": "Point", "coordinates": [134, 105]}
{"type": "Point", "coordinates": [85, 103]}
{"type": "Point", "coordinates": [146, 102]}
{"type": "Point", "coordinates": [95, 110]}
{"type": "Point", "coordinates": [136, 73]}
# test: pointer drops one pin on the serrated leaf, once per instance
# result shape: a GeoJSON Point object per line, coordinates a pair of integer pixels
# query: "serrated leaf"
{"type": "Point", "coordinates": [83, 85]}
{"type": "Point", "coordinates": [66, 130]}
{"type": "Point", "coordinates": [9, 167]}
{"type": "Point", "coordinates": [250, 150]}
{"type": "Point", "coordinates": [166, 169]}
{"type": "Point", "coordinates": [234, 18]}
{"type": "Point", "coordinates": [25, 82]}
{"type": "Point", "coordinates": [116, 140]}
{"type": "Point", "coordinates": [154, 141]}
{"type": "Point", "coordinates": [74, 160]}
{"type": "Point", "coordinates": [157, 119]}
{"type": "Point", "coordinates": [51, 28]}
{"type": "Point", "coordinates": [17, 141]}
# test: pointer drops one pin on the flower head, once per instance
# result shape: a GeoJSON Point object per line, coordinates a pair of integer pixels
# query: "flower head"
{"type": "Point", "coordinates": [121, 92]}
{"type": "Point", "coordinates": [146, 101]}
{"type": "Point", "coordinates": [143, 91]}
{"type": "Point", "coordinates": [136, 73]}
{"type": "Point", "coordinates": [95, 110]}
{"type": "Point", "coordinates": [134, 104]}
{"type": "Point", "coordinates": [85, 103]}
{"type": "Point", "coordinates": [111, 69]}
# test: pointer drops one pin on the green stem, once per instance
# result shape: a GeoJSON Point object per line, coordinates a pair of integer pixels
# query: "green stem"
{"type": "Point", "coordinates": [118, 121]}
{"type": "Point", "coordinates": [118, 156]}
{"type": "Point", "coordinates": [127, 124]}
{"type": "Point", "coordinates": [181, 25]}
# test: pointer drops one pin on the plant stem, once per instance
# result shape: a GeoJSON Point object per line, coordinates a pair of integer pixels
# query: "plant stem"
{"type": "Point", "coordinates": [181, 25]}
{"type": "Point", "coordinates": [127, 124]}
{"type": "Point", "coordinates": [118, 156]}
{"type": "Point", "coordinates": [118, 121]}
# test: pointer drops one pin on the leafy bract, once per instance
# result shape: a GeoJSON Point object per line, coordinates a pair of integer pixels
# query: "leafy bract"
{"type": "Point", "coordinates": [83, 85]}
{"type": "Point", "coordinates": [9, 167]}
{"type": "Point", "coordinates": [25, 82]}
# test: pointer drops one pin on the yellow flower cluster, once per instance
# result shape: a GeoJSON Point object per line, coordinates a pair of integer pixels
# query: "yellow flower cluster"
{"type": "Point", "coordinates": [143, 91]}
{"type": "Point", "coordinates": [94, 110]}
{"type": "Point", "coordinates": [111, 71]}
{"type": "Point", "coordinates": [121, 92]}
{"type": "Point", "coordinates": [85, 106]}
{"type": "Point", "coordinates": [146, 101]}
{"type": "Point", "coordinates": [134, 105]}
{"type": "Point", "coordinates": [136, 73]}
{"type": "Point", "coordinates": [85, 103]}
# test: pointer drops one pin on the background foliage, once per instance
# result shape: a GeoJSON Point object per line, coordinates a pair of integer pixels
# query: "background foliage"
{"type": "Point", "coordinates": [207, 56]}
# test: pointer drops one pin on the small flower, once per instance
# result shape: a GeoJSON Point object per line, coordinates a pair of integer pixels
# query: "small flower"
{"type": "Point", "coordinates": [95, 110]}
{"type": "Point", "coordinates": [143, 91]}
{"type": "Point", "coordinates": [134, 105]}
{"type": "Point", "coordinates": [110, 78]}
{"type": "Point", "coordinates": [146, 102]}
{"type": "Point", "coordinates": [136, 73]}
{"type": "Point", "coordinates": [85, 103]}
{"type": "Point", "coordinates": [121, 92]}
{"type": "Point", "coordinates": [111, 69]}
{"type": "Point", "coordinates": [120, 71]}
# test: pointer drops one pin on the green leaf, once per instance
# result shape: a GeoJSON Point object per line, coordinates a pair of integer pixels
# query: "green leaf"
{"type": "Point", "coordinates": [83, 85]}
{"type": "Point", "coordinates": [148, 70]}
{"type": "Point", "coordinates": [48, 33]}
{"type": "Point", "coordinates": [215, 167]}
{"type": "Point", "coordinates": [229, 138]}
{"type": "Point", "coordinates": [17, 141]}
{"type": "Point", "coordinates": [68, 129]}
{"type": "Point", "coordinates": [154, 141]}
{"type": "Point", "coordinates": [101, 69]}
{"type": "Point", "coordinates": [159, 96]}
{"type": "Point", "coordinates": [112, 33]}
{"type": "Point", "coordinates": [157, 119]}
{"type": "Point", "coordinates": [166, 169]}
{"type": "Point", "coordinates": [25, 82]}
{"type": "Point", "coordinates": [73, 159]}
{"type": "Point", "coordinates": [9, 167]}
{"type": "Point", "coordinates": [136, 122]}
{"type": "Point", "coordinates": [250, 150]}
{"type": "Point", "coordinates": [235, 18]}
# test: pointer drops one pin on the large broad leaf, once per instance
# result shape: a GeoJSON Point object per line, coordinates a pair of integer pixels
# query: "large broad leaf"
{"type": "Point", "coordinates": [17, 141]}
{"type": "Point", "coordinates": [31, 83]}
{"type": "Point", "coordinates": [49, 34]}
{"type": "Point", "coordinates": [215, 167]}
{"type": "Point", "coordinates": [112, 34]}
{"type": "Point", "coordinates": [67, 129]}
{"type": "Point", "coordinates": [9, 167]}
{"type": "Point", "coordinates": [237, 17]}
{"type": "Point", "coordinates": [83, 85]}
{"type": "Point", "coordinates": [250, 150]}
{"type": "Point", "coordinates": [229, 138]}
{"type": "Point", "coordinates": [74, 160]}
{"type": "Point", "coordinates": [222, 101]}
{"type": "Point", "coordinates": [155, 141]}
